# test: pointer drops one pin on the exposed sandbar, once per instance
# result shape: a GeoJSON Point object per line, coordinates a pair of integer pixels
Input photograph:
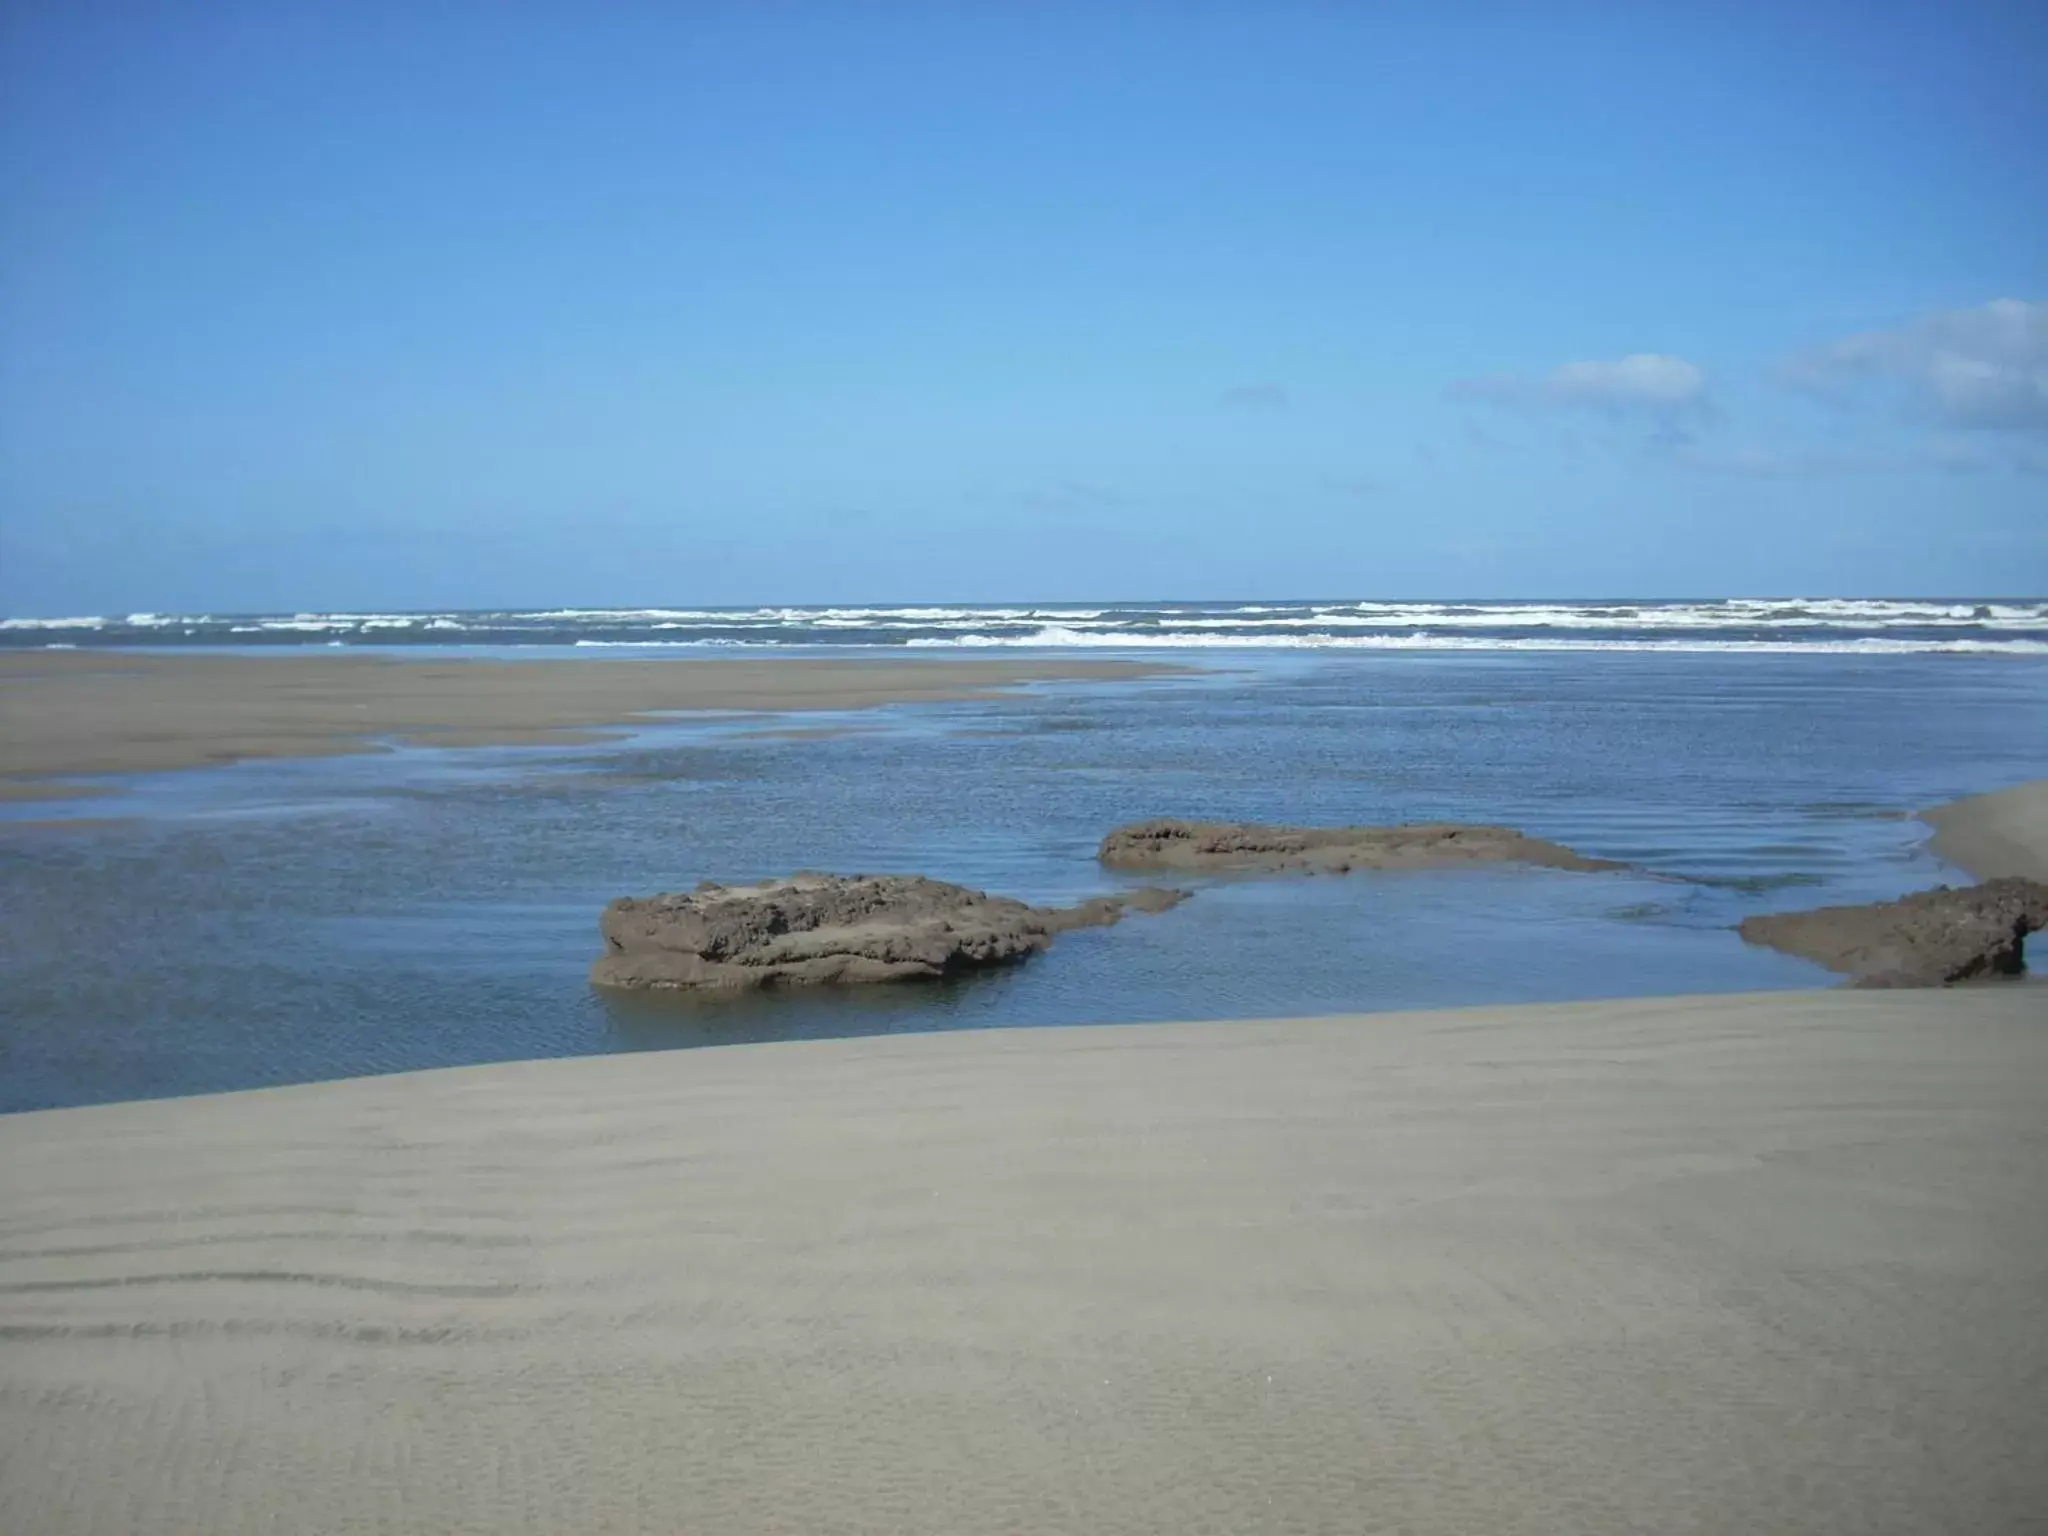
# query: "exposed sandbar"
{"type": "Point", "coordinates": [1713, 1264]}
{"type": "Point", "coordinates": [33, 789]}
{"type": "Point", "coordinates": [86, 712]}
{"type": "Point", "coordinates": [2003, 833]}
{"type": "Point", "coordinates": [1248, 848]}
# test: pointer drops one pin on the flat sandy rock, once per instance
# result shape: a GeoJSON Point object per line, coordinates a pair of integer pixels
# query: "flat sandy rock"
{"type": "Point", "coordinates": [1243, 846]}
{"type": "Point", "coordinates": [813, 929]}
{"type": "Point", "coordinates": [1933, 939]}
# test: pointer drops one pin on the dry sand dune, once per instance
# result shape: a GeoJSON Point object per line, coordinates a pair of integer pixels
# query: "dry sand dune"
{"type": "Point", "coordinates": [1705, 1265]}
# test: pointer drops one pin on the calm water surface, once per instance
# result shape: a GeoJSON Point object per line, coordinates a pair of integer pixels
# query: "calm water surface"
{"type": "Point", "coordinates": [278, 922]}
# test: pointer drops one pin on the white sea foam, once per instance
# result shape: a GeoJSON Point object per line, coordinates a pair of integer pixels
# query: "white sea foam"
{"type": "Point", "coordinates": [1791, 613]}
{"type": "Point", "coordinates": [671, 645]}
{"type": "Point", "coordinates": [626, 615]}
{"type": "Point", "coordinates": [1060, 637]}
{"type": "Point", "coordinates": [1794, 625]}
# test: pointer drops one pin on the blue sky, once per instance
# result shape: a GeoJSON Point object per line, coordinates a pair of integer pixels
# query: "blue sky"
{"type": "Point", "coordinates": [399, 306]}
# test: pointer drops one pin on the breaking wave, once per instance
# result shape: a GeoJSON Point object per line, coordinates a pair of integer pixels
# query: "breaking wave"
{"type": "Point", "coordinates": [1858, 626]}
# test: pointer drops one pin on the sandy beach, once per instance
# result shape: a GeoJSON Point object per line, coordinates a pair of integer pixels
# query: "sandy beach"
{"type": "Point", "coordinates": [1764, 1263]}
{"type": "Point", "coordinates": [1222, 770]}
{"type": "Point", "coordinates": [1754, 1262]}
{"type": "Point", "coordinates": [93, 712]}
{"type": "Point", "coordinates": [2002, 833]}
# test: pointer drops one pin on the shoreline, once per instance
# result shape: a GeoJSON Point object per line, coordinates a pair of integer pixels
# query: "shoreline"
{"type": "Point", "coordinates": [1761, 1261]}
{"type": "Point", "coordinates": [75, 714]}
{"type": "Point", "coordinates": [1766, 1261]}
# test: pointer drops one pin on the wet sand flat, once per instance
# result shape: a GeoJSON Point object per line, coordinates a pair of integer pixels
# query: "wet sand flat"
{"type": "Point", "coordinates": [2002, 833]}
{"type": "Point", "coordinates": [73, 712]}
{"type": "Point", "coordinates": [1690, 1265]}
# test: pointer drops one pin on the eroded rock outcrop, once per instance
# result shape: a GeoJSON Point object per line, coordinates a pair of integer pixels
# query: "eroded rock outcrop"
{"type": "Point", "coordinates": [1933, 939]}
{"type": "Point", "coordinates": [814, 929]}
{"type": "Point", "coordinates": [1242, 846]}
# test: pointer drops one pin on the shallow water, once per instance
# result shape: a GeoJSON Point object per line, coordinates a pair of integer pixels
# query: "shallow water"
{"type": "Point", "coordinates": [277, 922]}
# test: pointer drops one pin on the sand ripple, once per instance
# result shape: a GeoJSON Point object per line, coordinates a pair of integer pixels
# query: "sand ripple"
{"type": "Point", "coordinates": [1697, 1266]}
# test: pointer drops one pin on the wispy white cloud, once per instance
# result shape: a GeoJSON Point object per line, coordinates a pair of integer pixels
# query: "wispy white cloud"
{"type": "Point", "coordinates": [1758, 463]}
{"type": "Point", "coordinates": [1354, 487]}
{"type": "Point", "coordinates": [1643, 382]}
{"type": "Point", "coordinates": [1255, 397]}
{"type": "Point", "coordinates": [1943, 455]}
{"type": "Point", "coordinates": [1070, 496]}
{"type": "Point", "coordinates": [1985, 367]}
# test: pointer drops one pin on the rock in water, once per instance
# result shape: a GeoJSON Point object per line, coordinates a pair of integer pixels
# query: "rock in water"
{"type": "Point", "coordinates": [1242, 846]}
{"type": "Point", "coordinates": [1933, 939]}
{"type": "Point", "coordinates": [813, 929]}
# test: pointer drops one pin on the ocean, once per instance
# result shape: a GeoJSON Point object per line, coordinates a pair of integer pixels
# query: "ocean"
{"type": "Point", "coordinates": [271, 922]}
{"type": "Point", "coordinates": [1790, 626]}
